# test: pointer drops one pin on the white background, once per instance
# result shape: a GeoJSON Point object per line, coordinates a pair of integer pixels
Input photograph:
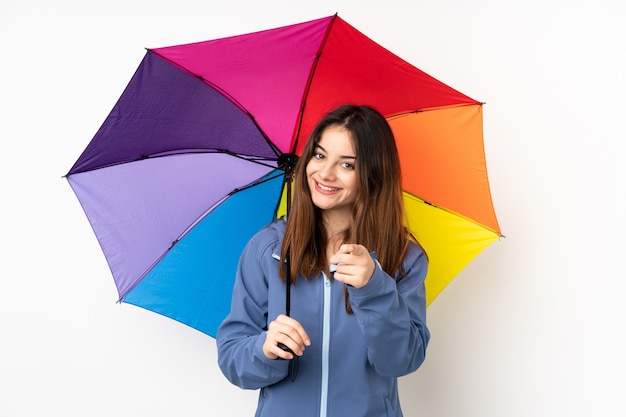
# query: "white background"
{"type": "Point", "coordinates": [533, 327]}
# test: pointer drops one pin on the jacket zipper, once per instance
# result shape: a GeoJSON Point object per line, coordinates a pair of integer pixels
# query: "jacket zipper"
{"type": "Point", "coordinates": [325, 347]}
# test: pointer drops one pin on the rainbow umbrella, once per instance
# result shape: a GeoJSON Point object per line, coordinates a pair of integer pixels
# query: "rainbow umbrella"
{"type": "Point", "coordinates": [192, 160]}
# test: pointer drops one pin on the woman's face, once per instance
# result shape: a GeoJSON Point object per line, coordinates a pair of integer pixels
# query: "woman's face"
{"type": "Point", "coordinates": [331, 172]}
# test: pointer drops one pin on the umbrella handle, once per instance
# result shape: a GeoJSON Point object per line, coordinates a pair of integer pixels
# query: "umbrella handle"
{"type": "Point", "coordinates": [295, 361]}
{"type": "Point", "coordinates": [288, 283]}
{"type": "Point", "coordinates": [288, 163]}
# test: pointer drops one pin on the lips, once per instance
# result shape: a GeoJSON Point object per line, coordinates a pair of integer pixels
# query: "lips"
{"type": "Point", "coordinates": [326, 188]}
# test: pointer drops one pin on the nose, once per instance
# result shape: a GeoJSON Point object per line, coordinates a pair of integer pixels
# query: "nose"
{"type": "Point", "coordinates": [327, 171]}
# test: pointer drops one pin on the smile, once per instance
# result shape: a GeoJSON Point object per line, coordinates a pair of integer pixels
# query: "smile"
{"type": "Point", "coordinates": [326, 188]}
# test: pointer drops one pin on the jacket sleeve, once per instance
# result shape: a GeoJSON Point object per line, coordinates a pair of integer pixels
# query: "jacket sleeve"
{"type": "Point", "coordinates": [392, 316]}
{"type": "Point", "coordinates": [241, 335]}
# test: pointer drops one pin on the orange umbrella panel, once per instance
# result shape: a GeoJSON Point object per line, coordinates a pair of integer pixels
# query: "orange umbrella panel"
{"type": "Point", "coordinates": [443, 160]}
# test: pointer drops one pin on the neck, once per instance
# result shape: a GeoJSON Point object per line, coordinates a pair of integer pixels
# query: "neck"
{"type": "Point", "coordinates": [336, 223]}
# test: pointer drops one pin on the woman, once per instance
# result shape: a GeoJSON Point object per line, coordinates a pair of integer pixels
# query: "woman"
{"type": "Point", "coordinates": [353, 331]}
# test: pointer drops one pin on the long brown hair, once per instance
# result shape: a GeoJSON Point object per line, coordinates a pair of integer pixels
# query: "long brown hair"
{"type": "Point", "coordinates": [378, 213]}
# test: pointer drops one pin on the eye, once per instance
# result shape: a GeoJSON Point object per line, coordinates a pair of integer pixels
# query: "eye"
{"type": "Point", "coordinates": [348, 165]}
{"type": "Point", "coordinates": [318, 155]}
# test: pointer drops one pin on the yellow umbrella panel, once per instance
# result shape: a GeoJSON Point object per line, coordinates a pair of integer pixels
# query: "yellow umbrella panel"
{"type": "Point", "coordinates": [450, 241]}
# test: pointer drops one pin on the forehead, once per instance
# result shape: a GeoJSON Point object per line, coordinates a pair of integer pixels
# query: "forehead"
{"type": "Point", "coordinates": [337, 139]}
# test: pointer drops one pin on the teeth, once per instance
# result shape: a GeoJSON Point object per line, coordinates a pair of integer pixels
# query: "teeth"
{"type": "Point", "coordinates": [325, 188]}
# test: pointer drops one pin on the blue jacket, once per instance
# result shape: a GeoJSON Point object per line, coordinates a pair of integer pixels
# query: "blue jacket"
{"type": "Point", "coordinates": [352, 365]}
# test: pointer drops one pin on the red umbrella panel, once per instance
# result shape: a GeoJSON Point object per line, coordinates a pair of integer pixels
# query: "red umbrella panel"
{"type": "Point", "coordinates": [190, 162]}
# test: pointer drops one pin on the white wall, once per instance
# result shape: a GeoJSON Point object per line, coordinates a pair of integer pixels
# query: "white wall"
{"type": "Point", "coordinates": [533, 327]}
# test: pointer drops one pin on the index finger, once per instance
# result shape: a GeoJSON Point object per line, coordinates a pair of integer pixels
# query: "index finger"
{"type": "Point", "coordinates": [347, 248]}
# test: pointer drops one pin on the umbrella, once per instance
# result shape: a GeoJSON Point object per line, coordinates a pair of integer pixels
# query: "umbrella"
{"type": "Point", "coordinates": [194, 156]}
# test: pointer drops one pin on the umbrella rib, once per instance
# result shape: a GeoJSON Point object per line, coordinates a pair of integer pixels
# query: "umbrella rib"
{"type": "Point", "coordinates": [307, 88]}
{"type": "Point", "coordinates": [254, 159]}
{"type": "Point", "coordinates": [454, 213]}
{"type": "Point", "coordinates": [409, 112]}
{"type": "Point", "coordinates": [227, 196]}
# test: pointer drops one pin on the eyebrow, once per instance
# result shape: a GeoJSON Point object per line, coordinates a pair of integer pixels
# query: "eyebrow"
{"type": "Point", "coordinates": [341, 156]}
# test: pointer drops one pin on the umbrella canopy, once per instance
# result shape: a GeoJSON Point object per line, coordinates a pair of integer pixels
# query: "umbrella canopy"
{"type": "Point", "coordinates": [191, 161]}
